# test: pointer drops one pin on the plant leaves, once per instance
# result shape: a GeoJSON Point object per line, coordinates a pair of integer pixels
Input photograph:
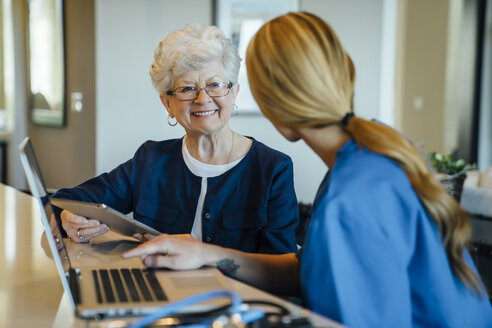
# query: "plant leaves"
{"type": "Point", "coordinates": [447, 164]}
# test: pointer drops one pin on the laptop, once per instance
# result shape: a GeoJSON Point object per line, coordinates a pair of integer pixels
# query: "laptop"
{"type": "Point", "coordinates": [121, 288]}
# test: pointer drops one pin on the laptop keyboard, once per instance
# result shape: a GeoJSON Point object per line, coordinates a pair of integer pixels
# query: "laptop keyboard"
{"type": "Point", "coordinates": [124, 285]}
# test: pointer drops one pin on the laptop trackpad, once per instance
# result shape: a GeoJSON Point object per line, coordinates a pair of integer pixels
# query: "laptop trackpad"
{"type": "Point", "coordinates": [205, 282]}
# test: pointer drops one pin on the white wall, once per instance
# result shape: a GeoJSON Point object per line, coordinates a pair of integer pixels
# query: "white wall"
{"type": "Point", "coordinates": [128, 110]}
{"type": "Point", "coordinates": [485, 124]}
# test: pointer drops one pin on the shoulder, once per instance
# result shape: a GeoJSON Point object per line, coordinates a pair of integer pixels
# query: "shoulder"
{"type": "Point", "coordinates": [370, 192]}
{"type": "Point", "coordinates": [264, 165]}
{"type": "Point", "coordinates": [267, 155]}
{"type": "Point", "coordinates": [157, 153]}
{"type": "Point", "coordinates": [363, 171]}
{"type": "Point", "coordinates": [153, 148]}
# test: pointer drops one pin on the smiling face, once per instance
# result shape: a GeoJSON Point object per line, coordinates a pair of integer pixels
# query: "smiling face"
{"type": "Point", "coordinates": [203, 115]}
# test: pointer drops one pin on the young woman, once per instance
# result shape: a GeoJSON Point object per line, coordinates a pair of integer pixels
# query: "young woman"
{"type": "Point", "coordinates": [386, 246]}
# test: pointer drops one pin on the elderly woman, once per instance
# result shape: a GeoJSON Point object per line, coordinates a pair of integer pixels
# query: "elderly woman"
{"type": "Point", "coordinates": [215, 184]}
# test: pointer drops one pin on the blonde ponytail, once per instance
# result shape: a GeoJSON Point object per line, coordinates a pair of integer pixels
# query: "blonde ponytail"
{"type": "Point", "coordinates": [317, 89]}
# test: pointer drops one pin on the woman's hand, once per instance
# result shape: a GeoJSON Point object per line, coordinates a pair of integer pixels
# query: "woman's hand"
{"type": "Point", "coordinates": [143, 238]}
{"type": "Point", "coordinates": [274, 273]}
{"type": "Point", "coordinates": [177, 252]}
{"type": "Point", "coordinates": [81, 229]}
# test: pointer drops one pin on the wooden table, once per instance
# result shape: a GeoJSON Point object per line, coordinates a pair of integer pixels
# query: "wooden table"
{"type": "Point", "coordinates": [31, 294]}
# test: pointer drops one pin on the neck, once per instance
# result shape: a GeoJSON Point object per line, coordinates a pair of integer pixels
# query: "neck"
{"type": "Point", "coordinates": [216, 148]}
{"type": "Point", "coordinates": [325, 141]}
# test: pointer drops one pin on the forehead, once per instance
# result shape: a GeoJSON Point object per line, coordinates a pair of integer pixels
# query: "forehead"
{"type": "Point", "coordinates": [212, 72]}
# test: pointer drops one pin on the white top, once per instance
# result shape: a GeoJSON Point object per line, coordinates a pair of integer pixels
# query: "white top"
{"type": "Point", "coordinates": [204, 171]}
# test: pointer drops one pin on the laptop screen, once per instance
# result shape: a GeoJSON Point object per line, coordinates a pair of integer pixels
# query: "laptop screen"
{"type": "Point", "coordinates": [38, 190]}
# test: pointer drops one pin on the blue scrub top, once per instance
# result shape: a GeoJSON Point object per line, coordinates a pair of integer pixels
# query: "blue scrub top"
{"type": "Point", "coordinates": [374, 258]}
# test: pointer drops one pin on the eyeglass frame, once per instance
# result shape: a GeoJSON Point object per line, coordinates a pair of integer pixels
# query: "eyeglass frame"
{"type": "Point", "coordinates": [198, 90]}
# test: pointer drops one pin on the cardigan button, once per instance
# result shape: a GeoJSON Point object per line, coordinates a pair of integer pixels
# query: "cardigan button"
{"type": "Point", "coordinates": [207, 215]}
{"type": "Point", "coordinates": [208, 239]}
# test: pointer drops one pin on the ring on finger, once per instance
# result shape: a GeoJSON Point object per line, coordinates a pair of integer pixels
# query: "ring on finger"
{"type": "Point", "coordinates": [80, 237]}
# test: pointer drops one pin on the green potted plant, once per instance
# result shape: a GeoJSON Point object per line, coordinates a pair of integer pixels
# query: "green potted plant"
{"type": "Point", "coordinates": [451, 172]}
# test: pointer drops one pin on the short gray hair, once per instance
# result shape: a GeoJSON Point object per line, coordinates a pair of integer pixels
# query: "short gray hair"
{"type": "Point", "coordinates": [189, 49]}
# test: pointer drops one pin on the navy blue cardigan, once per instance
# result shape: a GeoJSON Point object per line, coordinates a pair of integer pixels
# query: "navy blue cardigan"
{"type": "Point", "coordinates": [252, 207]}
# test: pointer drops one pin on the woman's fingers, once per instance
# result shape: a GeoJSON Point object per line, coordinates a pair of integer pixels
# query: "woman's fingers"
{"type": "Point", "coordinates": [177, 252]}
{"type": "Point", "coordinates": [69, 217]}
{"type": "Point", "coordinates": [80, 228]}
{"type": "Point", "coordinates": [157, 245]}
{"type": "Point", "coordinates": [72, 232]}
{"type": "Point", "coordinates": [86, 234]}
{"type": "Point", "coordinates": [161, 261]}
{"type": "Point", "coordinates": [139, 236]}
{"type": "Point", "coordinates": [144, 237]}
{"type": "Point", "coordinates": [173, 262]}
{"type": "Point", "coordinates": [70, 223]}
{"type": "Point", "coordinates": [148, 237]}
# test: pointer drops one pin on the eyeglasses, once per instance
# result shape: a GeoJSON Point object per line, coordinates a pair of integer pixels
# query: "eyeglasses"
{"type": "Point", "coordinates": [213, 90]}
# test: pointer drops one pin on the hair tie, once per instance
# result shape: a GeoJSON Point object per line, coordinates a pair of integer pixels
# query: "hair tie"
{"type": "Point", "coordinates": [346, 118]}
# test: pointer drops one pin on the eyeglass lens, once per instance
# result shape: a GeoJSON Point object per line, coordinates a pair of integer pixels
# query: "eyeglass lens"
{"type": "Point", "coordinates": [212, 90]}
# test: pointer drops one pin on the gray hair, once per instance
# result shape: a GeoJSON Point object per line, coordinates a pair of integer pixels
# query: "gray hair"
{"type": "Point", "coordinates": [190, 49]}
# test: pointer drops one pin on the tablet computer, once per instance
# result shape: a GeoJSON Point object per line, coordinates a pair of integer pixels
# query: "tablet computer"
{"type": "Point", "coordinates": [116, 221]}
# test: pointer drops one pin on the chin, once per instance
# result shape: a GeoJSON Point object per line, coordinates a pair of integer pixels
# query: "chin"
{"type": "Point", "coordinates": [208, 129]}
{"type": "Point", "coordinates": [292, 138]}
{"type": "Point", "coordinates": [288, 134]}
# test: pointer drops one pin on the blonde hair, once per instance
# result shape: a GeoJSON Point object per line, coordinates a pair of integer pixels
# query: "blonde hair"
{"type": "Point", "coordinates": [192, 48]}
{"type": "Point", "coordinates": [301, 76]}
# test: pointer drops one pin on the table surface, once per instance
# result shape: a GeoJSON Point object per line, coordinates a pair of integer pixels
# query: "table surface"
{"type": "Point", "coordinates": [31, 294]}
